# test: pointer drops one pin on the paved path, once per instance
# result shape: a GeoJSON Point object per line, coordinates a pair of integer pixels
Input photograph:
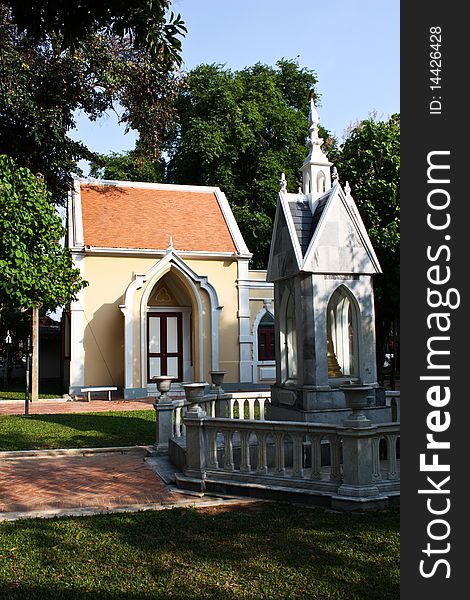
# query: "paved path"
{"type": "Point", "coordinates": [78, 482]}
{"type": "Point", "coordinates": [94, 480]}
{"type": "Point", "coordinates": [88, 484]}
{"type": "Point", "coordinates": [49, 407]}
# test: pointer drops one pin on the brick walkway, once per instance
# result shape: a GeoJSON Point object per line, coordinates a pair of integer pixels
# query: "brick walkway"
{"type": "Point", "coordinates": [70, 484]}
{"type": "Point", "coordinates": [103, 481]}
{"type": "Point", "coordinates": [49, 407]}
{"type": "Point", "coordinates": [80, 483]}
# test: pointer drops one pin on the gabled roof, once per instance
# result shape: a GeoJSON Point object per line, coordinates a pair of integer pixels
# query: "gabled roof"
{"type": "Point", "coordinates": [131, 215]}
{"type": "Point", "coordinates": [325, 235]}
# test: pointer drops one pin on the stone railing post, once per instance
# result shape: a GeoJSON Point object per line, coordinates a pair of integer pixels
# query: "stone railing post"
{"type": "Point", "coordinates": [221, 406]}
{"type": "Point", "coordinates": [358, 487]}
{"type": "Point", "coordinates": [164, 424]}
{"type": "Point", "coordinates": [195, 444]}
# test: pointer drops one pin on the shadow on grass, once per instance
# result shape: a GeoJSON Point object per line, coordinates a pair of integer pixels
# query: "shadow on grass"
{"type": "Point", "coordinates": [272, 551]}
{"type": "Point", "coordinates": [77, 430]}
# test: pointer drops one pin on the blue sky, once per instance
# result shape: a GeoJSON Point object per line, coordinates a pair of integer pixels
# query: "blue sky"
{"type": "Point", "coordinates": [352, 45]}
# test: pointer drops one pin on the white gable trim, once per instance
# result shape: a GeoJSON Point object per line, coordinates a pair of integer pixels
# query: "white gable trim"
{"type": "Point", "coordinates": [150, 186]}
{"type": "Point", "coordinates": [158, 252]}
{"type": "Point", "coordinates": [232, 225]}
{"type": "Point", "coordinates": [320, 226]}
{"type": "Point", "coordinates": [355, 219]}
{"type": "Point", "coordinates": [284, 198]}
{"type": "Point", "coordinates": [75, 218]}
{"type": "Point", "coordinates": [283, 204]}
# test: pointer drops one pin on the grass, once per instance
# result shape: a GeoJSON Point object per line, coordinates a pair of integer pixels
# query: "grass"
{"type": "Point", "coordinates": [78, 430]}
{"type": "Point", "coordinates": [15, 391]}
{"type": "Point", "coordinates": [270, 551]}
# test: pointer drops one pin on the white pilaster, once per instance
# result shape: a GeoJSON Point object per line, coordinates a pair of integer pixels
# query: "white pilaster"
{"type": "Point", "coordinates": [77, 329]}
{"type": "Point", "coordinates": [245, 338]}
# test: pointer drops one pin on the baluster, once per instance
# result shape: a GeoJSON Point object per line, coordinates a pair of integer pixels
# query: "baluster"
{"type": "Point", "coordinates": [251, 408]}
{"type": "Point", "coordinates": [231, 407]}
{"type": "Point", "coordinates": [391, 439]}
{"type": "Point", "coordinates": [279, 458]}
{"type": "Point", "coordinates": [316, 457]}
{"type": "Point", "coordinates": [212, 448]}
{"type": "Point", "coordinates": [178, 422]}
{"type": "Point", "coordinates": [335, 458]}
{"type": "Point", "coordinates": [228, 451]}
{"type": "Point", "coordinates": [297, 455]}
{"type": "Point", "coordinates": [262, 402]}
{"type": "Point", "coordinates": [245, 465]}
{"type": "Point", "coordinates": [241, 408]}
{"type": "Point", "coordinates": [376, 473]}
{"type": "Point", "coordinates": [262, 455]}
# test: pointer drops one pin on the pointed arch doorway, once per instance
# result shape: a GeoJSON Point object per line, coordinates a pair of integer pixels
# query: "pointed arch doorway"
{"type": "Point", "coordinates": [169, 339]}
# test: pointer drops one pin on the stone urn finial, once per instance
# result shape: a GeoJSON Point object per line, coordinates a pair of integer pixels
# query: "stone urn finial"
{"type": "Point", "coordinates": [163, 386]}
{"type": "Point", "coordinates": [217, 378]}
{"type": "Point", "coordinates": [356, 400]}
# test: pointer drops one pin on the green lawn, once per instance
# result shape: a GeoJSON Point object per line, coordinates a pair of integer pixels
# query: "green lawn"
{"type": "Point", "coordinates": [271, 551]}
{"type": "Point", "coordinates": [78, 430]}
{"type": "Point", "coordinates": [15, 391]}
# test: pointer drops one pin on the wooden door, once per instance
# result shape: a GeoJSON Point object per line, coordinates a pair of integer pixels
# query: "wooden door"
{"type": "Point", "coordinates": [165, 345]}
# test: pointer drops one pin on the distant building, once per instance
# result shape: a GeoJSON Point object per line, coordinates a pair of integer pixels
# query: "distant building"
{"type": "Point", "coordinates": [170, 290]}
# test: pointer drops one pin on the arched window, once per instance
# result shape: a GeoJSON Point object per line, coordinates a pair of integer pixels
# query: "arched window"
{"type": "Point", "coordinates": [321, 182]}
{"type": "Point", "coordinates": [290, 340]}
{"type": "Point", "coordinates": [342, 335]}
{"type": "Point", "coordinates": [266, 337]}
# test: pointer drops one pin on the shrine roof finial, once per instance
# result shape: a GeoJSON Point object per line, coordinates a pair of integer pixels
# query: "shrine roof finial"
{"type": "Point", "coordinates": [313, 120]}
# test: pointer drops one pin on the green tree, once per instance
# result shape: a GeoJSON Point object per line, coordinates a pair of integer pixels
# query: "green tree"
{"type": "Point", "coordinates": [35, 269]}
{"type": "Point", "coordinates": [240, 130]}
{"type": "Point", "coordinates": [128, 166]}
{"type": "Point", "coordinates": [143, 20]}
{"type": "Point", "coordinates": [51, 66]}
{"type": "Point", "coordinates": [370, 160]}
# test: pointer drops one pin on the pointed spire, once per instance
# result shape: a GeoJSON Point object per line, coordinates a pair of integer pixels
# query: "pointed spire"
{"type": "Point", "coordinates": [316, 175]}
{"type": "Point", "coordinates": [313, 120]}
{"type": "Point", "coordinates": [283, 183]}
{"type": "Point", "coordinates": [170, 244]}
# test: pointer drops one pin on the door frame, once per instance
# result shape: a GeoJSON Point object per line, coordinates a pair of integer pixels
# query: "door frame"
{"type": "Point", "coordinates": [185, 339]}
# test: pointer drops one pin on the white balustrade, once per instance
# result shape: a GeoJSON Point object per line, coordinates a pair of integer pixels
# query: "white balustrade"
{"type": "Point", "coordinates": [323, 458]}
{"type": "Point", "coordinates": [250, 405]}
{"type": "Point", "coordinates": [301, 455]}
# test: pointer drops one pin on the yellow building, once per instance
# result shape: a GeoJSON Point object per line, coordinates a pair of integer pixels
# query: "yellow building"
{"type": "Point", "coordinates": [170, 290]}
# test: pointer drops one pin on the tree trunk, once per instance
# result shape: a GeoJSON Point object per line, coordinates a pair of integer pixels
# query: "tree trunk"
{"type": "Point", "coordinates": [35, 357]}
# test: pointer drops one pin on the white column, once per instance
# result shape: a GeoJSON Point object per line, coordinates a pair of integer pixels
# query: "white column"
{"type": "Point", "coordinates": [77, 329]}
{"type": "Point", "coordinates": [245, 338]}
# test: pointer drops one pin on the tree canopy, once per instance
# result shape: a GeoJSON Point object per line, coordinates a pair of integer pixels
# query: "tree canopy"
{"type": "Point", "coordinates": [128, 166]}
{"type": "Point", "coordinates": [35, 269]}
{"type": "Point", "coordinates": [52, 66]}
{"type": "Point", "coordinates": [142, 20]}
{"type": "Point", "coordinates": [240, 130]}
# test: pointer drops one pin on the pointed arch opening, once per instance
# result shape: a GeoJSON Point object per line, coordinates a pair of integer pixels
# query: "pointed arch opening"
{"type": "Point", "coordinates": [342, 337]}
{"type": "Point", "coordinates": [170, 336]}
{"type": "Point", "coordinates": [288, 338]}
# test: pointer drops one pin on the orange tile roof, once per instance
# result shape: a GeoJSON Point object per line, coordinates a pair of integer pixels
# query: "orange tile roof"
{"type": "Point", "coordinates": [134, 217]}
